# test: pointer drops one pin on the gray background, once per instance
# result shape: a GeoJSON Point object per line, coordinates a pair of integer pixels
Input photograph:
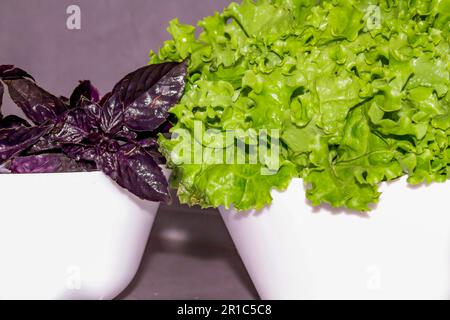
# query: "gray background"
{"type": "Point", "coordinates": [190, 254]}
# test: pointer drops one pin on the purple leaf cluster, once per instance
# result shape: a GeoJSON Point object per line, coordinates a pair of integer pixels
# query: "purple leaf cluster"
{"type": "Point", "coordinates": [115, 134]}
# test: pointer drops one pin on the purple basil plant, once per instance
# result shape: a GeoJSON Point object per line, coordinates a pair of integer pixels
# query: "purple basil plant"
{"type": "Point", "coordinates": [116, 134]}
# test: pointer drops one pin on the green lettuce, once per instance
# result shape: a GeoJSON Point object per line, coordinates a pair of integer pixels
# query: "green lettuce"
{"type": "Point", "coordinates": [358, 90]}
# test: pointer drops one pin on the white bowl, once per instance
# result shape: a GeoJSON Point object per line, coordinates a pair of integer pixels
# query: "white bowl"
{"type": "Point", "coordinates": [69, 236]}
{"type": "Point", "coordinates": [401, 250]}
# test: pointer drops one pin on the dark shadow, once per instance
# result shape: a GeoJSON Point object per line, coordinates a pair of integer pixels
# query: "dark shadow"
{"type": "Point", "coordinates": [198, 245]}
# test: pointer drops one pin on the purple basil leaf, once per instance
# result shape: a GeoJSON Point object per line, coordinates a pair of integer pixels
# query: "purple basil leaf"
{"type": "Point", "coordinates": [108, 163]}
{"type": "Point", "coordinates": [151, 109]}
{"type": "Point", "coordinates": [135, 170]}
{"type": "Point", "coordinates": [4, 68]}
{"type": "Point", "coordinates": [126, 135]}
{"type": "Point", "coordinates": [157, 156]}
{"type": "Point", "coordinates": [65, 100]}
{"type": "Point", "coordinates": [143, 98]}
{"type": "Point", "coordinates": [148, 143]}
{"type": "Point", "coordinates": [4, 168]}
{"type": "Point", "coordinates": [15, 140]}
{"type": "Point", "coordinates": [112, 115]}
{"type": "Point", "coordinates": [80, 152]}
{"type": "Point", "coordinates": [2, 89]}
{"type": "Point", "coordinates": [13, 121]}
{"type": "Point", "coordinates": [99, 150]}
{"type": "Point", "coordinates": [71, 128]}
{"type": "Point", "coordinates": [48, 163]}
{"type": "Point", "coordinates": [85, 89]}
{"type": "Point", "coordinates": [87, 165]}
{"type": "Point", "coordinates": [93, 111]}
{"type": "Point", "coordinates": [106, 157]}
{"type": "Point", "coordinates": [9, 72]}
{"type": "Point", "coordinates": [68, 129]}
{"type": "Point", "coordinates": [37, 104]}
{"type": "Point", "coordinates": [43, 145]}
{"type": "Point", "coordinates": [165, 127]}
{"type": "Point", "coordinates": [105, 98]}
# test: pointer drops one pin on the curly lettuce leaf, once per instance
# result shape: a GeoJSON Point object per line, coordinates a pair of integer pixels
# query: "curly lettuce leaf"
{"type": "Point", "coordinates": [359, 91]}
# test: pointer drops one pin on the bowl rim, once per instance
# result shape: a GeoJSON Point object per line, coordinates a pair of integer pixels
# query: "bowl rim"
{"type": "Point", "coordinates": [9, 175]}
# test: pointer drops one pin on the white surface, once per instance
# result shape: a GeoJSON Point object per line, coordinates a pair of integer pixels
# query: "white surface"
{"type": "Point", "coordinates": [69, 236]}
{"type": "Point", "coordinates": [401, 250]}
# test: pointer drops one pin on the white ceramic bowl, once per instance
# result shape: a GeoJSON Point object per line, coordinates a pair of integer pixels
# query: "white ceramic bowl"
{"type": "Point", "coordinates": [69, 236]}
{"type": "Point", "coordinates": [401, 250]}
